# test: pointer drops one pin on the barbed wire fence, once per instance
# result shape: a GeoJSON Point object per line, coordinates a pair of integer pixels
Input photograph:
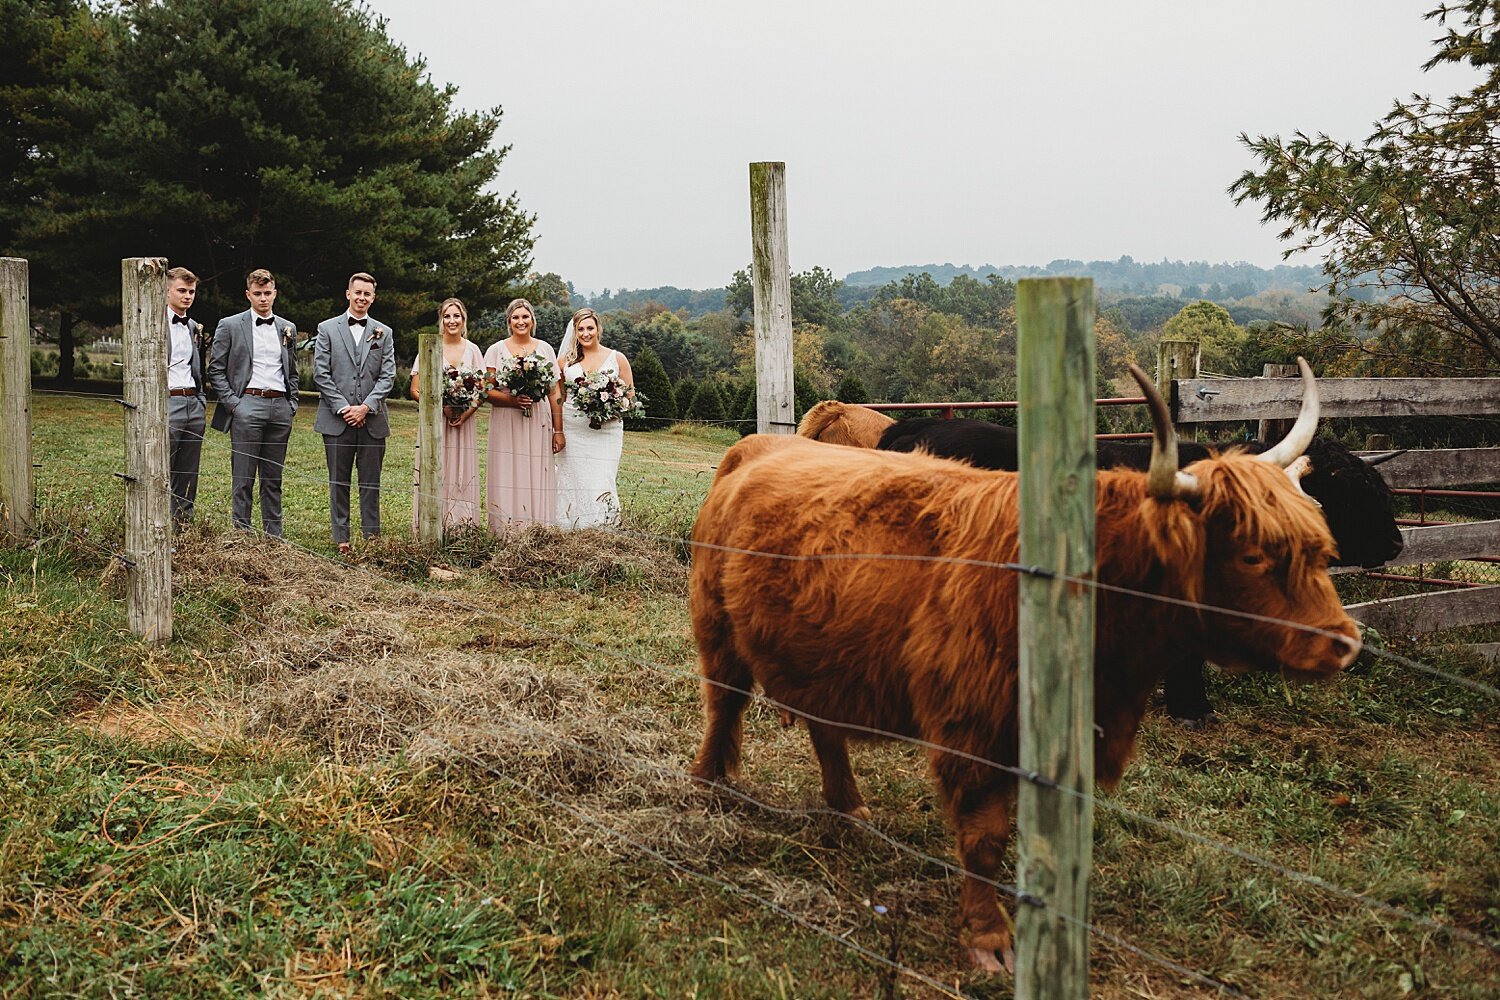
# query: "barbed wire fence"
{"type": "Point", "coordinates": [1307, 879]}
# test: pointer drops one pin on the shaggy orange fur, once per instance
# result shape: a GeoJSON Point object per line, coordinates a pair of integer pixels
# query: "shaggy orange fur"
{"type": "Point", "coordinates": [885, 637]}
{"type": "Point", "coordinates": [833, 422]}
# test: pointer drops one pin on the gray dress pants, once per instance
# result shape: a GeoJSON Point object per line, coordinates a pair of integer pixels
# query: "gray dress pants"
{"type": "Point", "coordinates": [355, 447]}
{"type": "Point", "coordinates": [258, 434]}
{"type": "Point", "coordinates": [185, 428]}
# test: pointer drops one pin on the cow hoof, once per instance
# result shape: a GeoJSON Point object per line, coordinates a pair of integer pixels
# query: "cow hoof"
{"type": "Point", "coordinates": [1204, 721]}
{"type": "Point", "coordinates": [861, 813]}
{"type": "Point", "coordinates": [985, 960]}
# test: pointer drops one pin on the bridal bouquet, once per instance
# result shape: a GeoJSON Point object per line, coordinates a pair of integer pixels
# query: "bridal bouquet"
{"type": "Point", "coordinates": [462, 389]}
{"type": "Point", "coordinates": [602, 397]}
{"type": "Point", "coordinates": [528, 375]}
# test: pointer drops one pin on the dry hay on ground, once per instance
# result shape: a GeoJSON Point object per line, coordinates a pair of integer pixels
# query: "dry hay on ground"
{"type": "Point", "coordinates": [343, 661]}
{"type": "Point", "coordinates": [538, 556]}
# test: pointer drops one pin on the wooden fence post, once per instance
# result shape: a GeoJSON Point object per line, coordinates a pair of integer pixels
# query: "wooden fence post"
{"type": "Point", "coordinates": [1177, 359]}
{"type": "Point", "coordinates": [17, 484]}
{"type": "Point", "coordinates": [1055, 362]}
{"type": "Point", "coordinates": [430, 440]}
{"type": "Point", "coordinates": [770, 275]}
{"type": "Point", "coordinates": [148, 507]}
{"type": "Point", "coordinates": [1271, 431]}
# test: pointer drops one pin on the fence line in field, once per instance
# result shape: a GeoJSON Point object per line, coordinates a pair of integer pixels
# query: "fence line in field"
{"type": "Point", "coordinates": [678, 541]}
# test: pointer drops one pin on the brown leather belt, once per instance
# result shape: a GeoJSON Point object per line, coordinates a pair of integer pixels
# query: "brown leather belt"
{"type": "Point", "coordinates": [182, 392]}
{"type": "Point", "coordinates": [267, 393]}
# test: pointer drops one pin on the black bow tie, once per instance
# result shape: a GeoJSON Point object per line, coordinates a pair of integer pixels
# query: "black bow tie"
{"type": "Point", "coordinates": [267, 321]}
{"type": "Point", "coordinates": [358, 322]}
{"type": "Point", "coordinates": [180, 319]}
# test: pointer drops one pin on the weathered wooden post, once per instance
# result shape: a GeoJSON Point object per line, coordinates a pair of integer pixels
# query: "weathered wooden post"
{"type": "Point", "coordinates": [148, 506]}
{"type": "Point", "coordinates": [770, 275]}
{"type": "Point", "coordinates": [1055, 362]}
{"type": "Point", "coordinates": [17, 485]}
{"type": "Point", "coordinates": [1177, 359]}
{"type": "Point", "coordinates": [430, 440]}
{"type": "Point", "coordinates": [1271, 431]}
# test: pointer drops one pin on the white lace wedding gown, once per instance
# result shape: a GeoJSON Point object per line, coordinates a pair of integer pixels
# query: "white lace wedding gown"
{"type": "Point", "coordinates": [588, 466]}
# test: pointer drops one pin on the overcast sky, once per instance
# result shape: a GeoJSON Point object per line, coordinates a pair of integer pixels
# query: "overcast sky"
{"type": "Point", "coordinates": [967, 132]}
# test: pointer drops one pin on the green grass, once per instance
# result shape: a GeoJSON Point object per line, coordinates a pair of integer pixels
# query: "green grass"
{"type": "Point", "coordinates": [344, 780]}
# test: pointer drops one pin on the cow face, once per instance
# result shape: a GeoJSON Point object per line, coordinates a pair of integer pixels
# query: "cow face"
{"type": "Point", "coordinates": [1267, 551]}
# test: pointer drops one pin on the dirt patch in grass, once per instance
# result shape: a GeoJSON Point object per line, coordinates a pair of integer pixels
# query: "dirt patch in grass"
{"type": "Point", "coordinates": [194, 722]}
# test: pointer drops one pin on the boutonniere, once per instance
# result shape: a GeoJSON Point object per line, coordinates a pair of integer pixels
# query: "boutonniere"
{"type": "Point", "coordinates": [287, 335]}
{"type": "Point", "coordinates": [375, 336]}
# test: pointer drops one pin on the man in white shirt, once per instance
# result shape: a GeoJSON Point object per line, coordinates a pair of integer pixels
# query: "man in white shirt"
{"type": "Point", "coordinates": [253, 368]}
{"type": "Point", "coordinates": [354, 368]}
{"type": "Point", "coordinates": [185, 396]}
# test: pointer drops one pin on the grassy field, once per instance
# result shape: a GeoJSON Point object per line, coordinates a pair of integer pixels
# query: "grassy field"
{"type": "Point", "coordinates": [341, 779]}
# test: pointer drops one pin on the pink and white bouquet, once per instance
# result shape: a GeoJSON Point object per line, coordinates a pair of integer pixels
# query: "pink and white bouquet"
{"type": "Point", "coordinates": [463, 388]}
{"type": "Point", "coordinates": [528, 375]}
{"type": "Point", "coordinates": [602, 397]}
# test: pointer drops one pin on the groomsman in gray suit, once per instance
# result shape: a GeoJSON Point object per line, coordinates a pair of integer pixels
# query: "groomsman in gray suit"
{"type": "Point", "coordinates": [354, 368]}
{"type": "Point", "coordinates": [185, 397]}
{"type": "Point", "coordinates": [253, 368]}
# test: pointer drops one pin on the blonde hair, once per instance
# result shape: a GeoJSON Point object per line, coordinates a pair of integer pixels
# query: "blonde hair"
{"type": "Point", "coordinates": [462, 311]}
{"type": "Point", "coordinates": [183, 275]}
{"type": "Point", "coordinates": [259, 276]}
{"type": "Point", "coordinates": [576, 355]}
{"type": "Point", "coordinates": [360, 276]}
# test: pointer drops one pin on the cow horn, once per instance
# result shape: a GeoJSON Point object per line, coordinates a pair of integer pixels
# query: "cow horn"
{"type": "Point", "coordinates": [1163, 480]}
{"type": "Point", "coordinates": [1291, 447]}
{"type": "Point", "coordinates": [1381, 458]}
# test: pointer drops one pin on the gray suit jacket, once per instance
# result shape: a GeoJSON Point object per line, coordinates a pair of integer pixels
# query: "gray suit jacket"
{"type": "Point", "coordinates": [232, 360]}
{"type": "Point", "coordinates": [348, 374]}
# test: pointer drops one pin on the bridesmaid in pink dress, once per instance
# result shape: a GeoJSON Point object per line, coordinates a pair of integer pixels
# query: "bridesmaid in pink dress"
{"type": "Point", "coordinates": [460, 431]}
{"type": "Point", "coordinates": [522, 478]}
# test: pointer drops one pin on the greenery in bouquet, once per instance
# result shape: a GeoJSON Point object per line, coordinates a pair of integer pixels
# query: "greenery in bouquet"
{"type": "Point", "coordinates": [602, 397]}
{"type": "Point", "coordinates": [528, 375]}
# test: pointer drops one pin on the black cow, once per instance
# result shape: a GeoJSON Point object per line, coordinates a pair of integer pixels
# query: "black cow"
{"type": "Point", "coordinates": [1357, 503]}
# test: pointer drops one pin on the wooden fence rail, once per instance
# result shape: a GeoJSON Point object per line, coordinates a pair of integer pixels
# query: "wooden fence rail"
{"type": "Point", "coordinates": [1439, 467]}
{"type": "Point", "coordinates": [1198, 400]}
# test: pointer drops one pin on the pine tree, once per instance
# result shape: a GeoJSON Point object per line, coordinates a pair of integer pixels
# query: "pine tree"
{"type": "Point", "coordinates": [851, 390]}
{"type": "Point", "coordinates": [708, 404]}
{"type": "Point", "coordinates": [804, 396]}
{"type": "Point", "coordinates": [298, 136]}
{"type": "Point", "coordinates": [685, 389]}
{"type": "Point", "coordinates": [651, 381]}
{"type": "Point", "coordinates": [744, 398]}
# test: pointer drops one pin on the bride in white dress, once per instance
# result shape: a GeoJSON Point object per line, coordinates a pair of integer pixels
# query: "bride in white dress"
{"type": "Point", "coordinates": [589, 460]}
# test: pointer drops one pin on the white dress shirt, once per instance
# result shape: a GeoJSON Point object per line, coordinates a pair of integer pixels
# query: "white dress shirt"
{"type": "Point", "coordinates": [180, 355]}
{"type": "Point", "coordinates": [265, 372]}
